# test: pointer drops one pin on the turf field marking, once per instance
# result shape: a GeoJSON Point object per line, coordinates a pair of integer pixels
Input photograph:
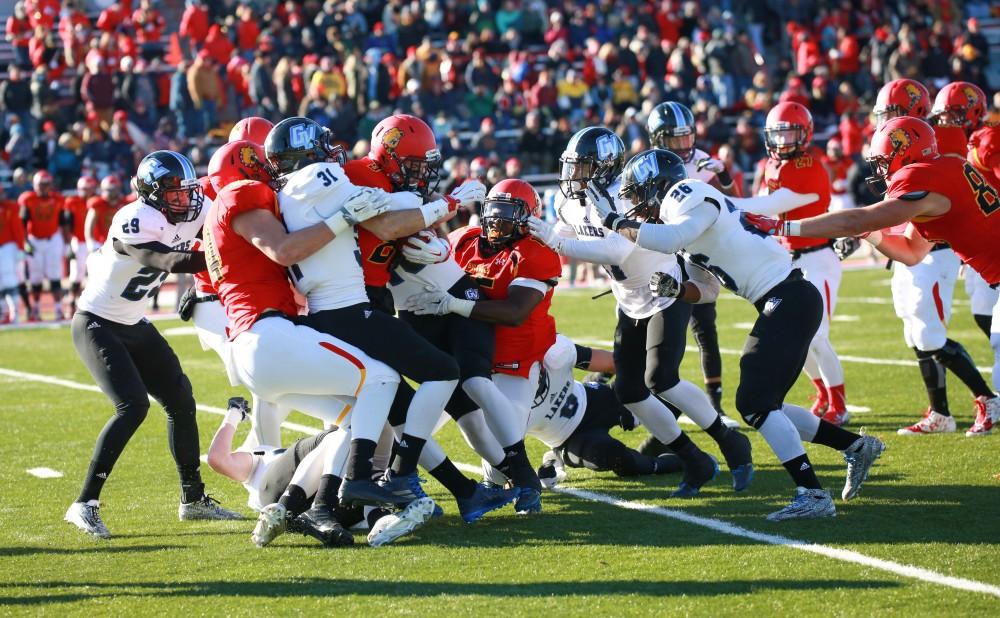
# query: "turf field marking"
{"type": "Point", "coordinates": [44, 473]}
{"type": "Point", "coordinates": [717, 525]}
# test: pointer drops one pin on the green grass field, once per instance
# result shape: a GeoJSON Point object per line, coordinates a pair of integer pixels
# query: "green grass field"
{"type": "Point", "coordinates": [931, 502]}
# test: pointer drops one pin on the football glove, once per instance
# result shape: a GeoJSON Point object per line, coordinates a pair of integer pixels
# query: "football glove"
{"type": "Point", "coordinates": [185, 307]}
{"type": "Point", "coordinates": [844, 247]}
{"type": "Point", "coordinates": [425, 247]}
{"type": "Point", "coordinates": [438, 302]}
{"type": "Point", "coordinates": [718, 168]}
{"type": "Point", "coordinates": [238, 410]}
{"type": "Point", "coordinates": [771, 227]}
{"type": "Point", "coordinates": [663, 285]}
{"type": "Point", "coordinates": [545, 232]}
{"type": "Point", "coordinates": [469, 193]}
{"type": "Point", "coordinates": [365, 203]}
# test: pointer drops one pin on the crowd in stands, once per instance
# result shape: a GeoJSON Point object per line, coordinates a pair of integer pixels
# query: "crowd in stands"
{"type": "Point", "coordinates": [504, 83]}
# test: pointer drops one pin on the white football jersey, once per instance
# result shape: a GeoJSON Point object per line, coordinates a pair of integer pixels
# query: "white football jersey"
{"type": "Point", "coordinates": [560, 401]}
{"type": "Point", "coordinates": [630, 278]}
{"type": "Point", "coordinates": [117, 285]}
{"type": "Point", "coordinates": [691, 167]}
{"type": "Point", "coordinates": [743, 259]}
{"type": "Point", "coordinates": [409, 279]}
{"type": "Point", "coordinates": [263, 457]}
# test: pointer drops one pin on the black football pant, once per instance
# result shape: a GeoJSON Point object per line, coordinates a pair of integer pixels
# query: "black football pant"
{"type": "Point", "coordinates": [648, 352]}
{"type": "Point", "coordinates": [707, 337]}
{"type": "Point", "coordinates": [129, 363]}
{"type": "Point", "coordinates": [776, 349]}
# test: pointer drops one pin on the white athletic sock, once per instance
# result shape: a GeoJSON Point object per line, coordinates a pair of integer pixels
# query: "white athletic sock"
{"type": "Point", "coordinates": [383, 448]}
{"type": "Point", "coordinates": [477, 433]}
{"type": "Point", "coordinates": [995, 343]}
{"type": "Point", "coordinates": [805, 421]}
{"type": "Point", "coordinates": [493, 475]}
{"type": "Point", "coordinates": [311, 468]}
{"type": "Point", "coordinates": [657, 418]}
{"type": "Point", "coordinates": [693, 402]}
{"type": "Point", "coordinates": [425, 409]}
{"type": "Point", "coordinates": [335, 454]}
{"type": "Point", "coordinates": [827, 360]}
{"type": "Point", "coordinates": [372, 409]}
{"type": "Point", "coordinates": [781, 436]}
{"type": "Point", "coordinates": [432, 455]}
{"type": "Point", "coordinates": [811, 367]}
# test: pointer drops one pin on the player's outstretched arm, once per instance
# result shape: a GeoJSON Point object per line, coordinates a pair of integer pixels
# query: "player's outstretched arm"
{"type": "Point", "coordinates": [236, 465]}
{"type": "Point", "coordinates": [780, 201]}
{"type": "Point", "coordinates": [909, 248]}
{"type": "Point", "coordinates": [263, 230]}
{"type": "Point", "coordinates": [613, 249]}
{"type": "Point", "coordinates": [674, 236]}
{"type": "Point", "coordinates": [510, 311]}
{"type": "Point", "coordinates": [859, 221]}
{"type": "Point", "coordinates": [397, 224]}
{"type": "Point", "coordinates": [161, 257]}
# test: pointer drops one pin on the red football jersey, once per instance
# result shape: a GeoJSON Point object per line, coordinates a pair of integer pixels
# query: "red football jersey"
{"type": "Point", "coordinates": [376, 254]}
{"type": "Point", "coordinates": [203, 280]}
{"type": "Point", "coordinates": [803, 174]}
{"type": "Point", "coordinates": [77, 206]}
{"type": "Point", "coordinates": [972, 225]}
{"type": "Point", "coordinates": [248, 282]}
{"type": "Point", "coordinates": [11, 229]}
{"type": "Point", "coordinates": [984, 154]}
{"type": "Point", "coordinates": [104, 213]}
{"type": "Point", "coordinates": [43, 213]}
{"type": "Point", "coordinates": [951, 140]}
{"type": "Point", "coordinates": [517, 347]}
{"type": "Point", "coordinates": [839, 169]}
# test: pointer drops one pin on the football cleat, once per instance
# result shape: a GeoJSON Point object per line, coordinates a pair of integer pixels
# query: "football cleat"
{"type": "Point", "coordinates": [807, 504]}
{"type": "Point", "coordinates": [319, 523]}
{"type": "Point", "coordinates": [836, 417]}
{"type": "Point", "coordinates": [529, 500]}
{"type": "Point", "coordinates": [484, 500]}
{"type": "Point", "coordinates": [860, 458]}
{"type": "Point", "coordinates": [729, 422]}
{"type": "Point", "coordinates": [391, 527]}
{"type": "Point", "coordinates": [736, 449]}
{"type": "Point", "coordinates": [87, 517]}
{"type": "Point", "coordinates": [652, 447]}
{"type": "Point", "coordinates": [820, 402]}
{"type": "Point", "coordinates": [551, 472]}
{"type": "Point", "coordinates": [932, 422]}
{"type": "Point", "coordinates": [987, 411]}
{"type": "Point", "coordinates": [404, 489]}
{"type": "Point", "coordinates": [668, 463]}
{"type": "Point", "coordinates": [361, 492]}
{"type": "Point", "coordinates": [271, 523]}
{"type": "Point", "coordinates": [205, 507]}
{"type": "Point", "coordinates": [696, 475]}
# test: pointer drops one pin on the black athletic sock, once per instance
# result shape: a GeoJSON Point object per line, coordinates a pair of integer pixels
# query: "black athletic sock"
{"type": "Point", "coordinates": [684, 447]}
{"type": "Point", "coordinates": [666, 464]}
{"type": "Point", "coordinates": [802, 472]}
{"type": "Point", "coordinates": [407, 453]}
{"type": "Point", "coordinates": [955, 357]}
{"type": "Point", "coordinates": [93, 483]}
{"type": "Point", "coordinates": [517, 467]}
{"type": "Point", "coordinates": [984, 322]}
{"type": "Point", "coordinates": [192, 491]}
{"type": "Point", "coordinates": [933, 375]}
{"type": "Point", "coordinates": [326, 493]}
{"type": "Point", "coordinates": [294, 500]}
{"type": "Point", "coordinates": [22, 291]}
{"type": "Point", "coordinates": [717, 430]}
{"type": "Point", "coordinates": [714, 390]}
{"type": "Point", "coordinates": [830, 435]}
{"type": "Point", "coordinates": [359, 460]}
{"type": "Point", "coordinates": [453, 480]}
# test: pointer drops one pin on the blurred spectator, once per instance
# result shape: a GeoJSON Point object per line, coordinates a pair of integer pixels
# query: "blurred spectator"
{"type": "Point", "coordinates": [18, 34]}
{"type": "Point", "coordinates": [98, 91]}
{"type": "Point", "coordinates": [65, 163]}
{"type": "Point", "coordinates": [261, 88]}
{"type": "Point", "coordinates": [15, 94]}
{"type": "Point", "coordinates": [18, 147]}
{"type": "Point", "coordinates": [149, 25]}
{"type": "Point", "coordinates": [188, 122]}
{"type": "Point", "coordinates": [205, 88]}
{"type": "Point", "coordinates": [533, 145]}
{"type": "Point", "coordinates": [194, 24]}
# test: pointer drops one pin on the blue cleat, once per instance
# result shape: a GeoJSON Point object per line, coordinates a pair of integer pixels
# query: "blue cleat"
{"type": "Point", "coordinates": [404, 489]}
{"type": "Point", "coordinates": [484, 500]}
{"type": "Point", "coordinates": [438, 511]}
{"type": "Point", "coordinates": [529, 500]}
{"type": "Point", "coordinates": [696, 476]}
{"type": "Point", "coordinates": [742, 476]}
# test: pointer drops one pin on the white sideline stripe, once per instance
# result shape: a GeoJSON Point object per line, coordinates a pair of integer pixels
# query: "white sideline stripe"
{"type": "Point", "coordinates": [863, 360]}
{"type": "Point", "coordinates": [844, 555]}
{"type": "Point", "coordinates": [44, 473]}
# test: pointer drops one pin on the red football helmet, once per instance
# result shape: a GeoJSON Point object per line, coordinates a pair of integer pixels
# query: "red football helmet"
{"type": "Point", "coordinates": [899, 142]}
{"type": "Point", "coordinates": [239, 160]}
{"type": "Point", "coordinates": [111, 188]}
{"type": "Point", "coordinates": [506, 210]}
{"type": "Point", "coordinates": [404, 147]}
{"type": "Point", "coordinates": [959, 104]}
{"type": "Point", "coordinates": [901, 97]}
{"type": "Point", "coordinates": [42, 182]}
{"type": "Point", "coordinates": [86, 186]}
{"type": "Point", "coordinates": [253, 129]}
{"type": "Point", "coordinates": [788, 130]}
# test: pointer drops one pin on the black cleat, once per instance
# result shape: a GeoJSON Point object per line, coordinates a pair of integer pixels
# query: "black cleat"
{"type": "Point", "coordinates": [736, 449]}
{"type": "Point", "coordinates": [652, 447]}
{"type": "Point", "coordinates": [319, 523]}
{"type": "Point", "coordinates": [697, 473]}
{"type": "Point", "coordinates": [361, 492]}
{"type": "Point", "coordinates": [668, 463]}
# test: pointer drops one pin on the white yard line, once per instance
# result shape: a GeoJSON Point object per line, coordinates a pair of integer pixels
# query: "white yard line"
{"type": "Point", "coordinates": [44, 473]}
{"type": "Point", "coordinates": [717, 525]}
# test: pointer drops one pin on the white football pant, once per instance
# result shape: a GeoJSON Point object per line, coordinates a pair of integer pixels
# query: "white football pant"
{"type": "Point", "coordinates": [78, 265]}
{"type": "Point", "coordinates": [46, 260]}
{"type": "Point", "coordinates": [981, 295]}
{"type": "Point", "coordinates": [922, 297]}
{"type": "Point", "coordinates": [822, 269]}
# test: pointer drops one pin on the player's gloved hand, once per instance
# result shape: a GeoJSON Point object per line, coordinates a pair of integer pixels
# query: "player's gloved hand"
{"type": "Point", "coordinates": [468, 194]}
{"type": "Point", "coordinates": [238, 410]}
{"type": "Point", "coordinates": [625, 419]}
{"type": "Point", "coordinates": [545, 232]}
{"type": "Point", "coordinates": [185, 307]}
{"type": "Point", "coordinates": [663, 285]}
{"type": "Point", "coordinates": [365, 203]}
{"type": "Point", "coordinates": [844, 247]}
{"type": "Point", "coordinates": [771, 227]}
{"type": "Point", "coordinates": [438, 302]}
{"type": "Point", "coordinates": [718, 168]}
{"type": "Point", "coordinates": [425, 247]}
{"type": "Point", "coordinates": [602, 202]}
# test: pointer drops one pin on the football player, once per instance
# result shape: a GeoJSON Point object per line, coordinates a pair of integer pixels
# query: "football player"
{"type": "Point", "coordinates": [11, 258]}
{"type": "Point", "coordinates": [651, 332]}
{"type": "Point", "coordinates": [76, 210]}
{"type": "Point", "coordinates": [45, 223]}
{"type": "Point", "coordinates": [123, 351]}
{"type": "Point", "coordinates": [922, 293]}
{"type": "Point", "coordinates": [793, 164]}
{"type": "Point", "coordinates": [101, 210]}
{"type": "Point", "coordinates": [573, 419]}
{"type": "Point", "coordinates": [707, 228]}
{"type": "Point", "coordinates": [671, 126]}
{"type": "Point", "coordinates": [984, 155]}
{"type": "Point", "coordinates": [313, 186]}
{"type": "Point", "coordinates": [942, 199]}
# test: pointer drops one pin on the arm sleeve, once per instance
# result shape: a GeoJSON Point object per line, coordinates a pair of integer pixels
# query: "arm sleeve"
{"type": "Point", "coordinates": [161, 257]}
{"type": "Point", "coordinates": [779, 202]}
{"type": "Point", "coordinates": [707, 284]}
{"type": "Point", "coordinates": [613, 249]}
{"type": "Point", "coordinates": [672, 237]}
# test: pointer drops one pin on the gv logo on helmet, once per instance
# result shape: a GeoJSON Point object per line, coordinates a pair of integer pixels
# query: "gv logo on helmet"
{"type": "Point", "coordinates": [391, 138]}
{"type": "Point", "coordinates": [302, 135]}
{"type": "Point", "coordinates": [606, 147]}
{"type": "Point", "coordinates": [646, 167]}
{"type": "Point", "coordinates": [152, 170]}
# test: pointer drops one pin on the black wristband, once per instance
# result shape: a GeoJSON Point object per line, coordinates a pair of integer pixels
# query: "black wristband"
{"type": "Point", "coordinates": [725, 180]}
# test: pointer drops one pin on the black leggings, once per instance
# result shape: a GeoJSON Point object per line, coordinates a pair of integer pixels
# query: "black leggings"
{"type": "Point", "coordinates": [279, 474]}
{"type": "Point", "coordinates": [129, 363]}
{"type": "Point", "coordinates": [707, 337]}
{"type": "Point", "coordinates": [648, 352]}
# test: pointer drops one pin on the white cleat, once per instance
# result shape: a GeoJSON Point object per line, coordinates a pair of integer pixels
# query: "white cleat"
{"type": "Point", "coordinates": [206, 507]}
{"type": "Point", "coordinates": [391, 527]}
{"type": "Point", "coordinates": [807, 504]}
{"type": "Point", "coordinates": [271, 523]}
{"type": "Point", "coordinates": [860, 458]}
{"type": "Point", "coordinates": [729, 422]}
{"type": "Point", "coordinates": [87, 517]}
{"type": "Point", "coordinates": [932, 422]}
{"type": "Point", "coordinates": [551, 472]}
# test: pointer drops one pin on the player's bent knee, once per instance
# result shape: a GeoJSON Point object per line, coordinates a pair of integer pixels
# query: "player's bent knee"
{"type": "Point", "coordinates": [752, 407]}
{"type": "Point", "coordinates": [135, 409]}
{"type": "Point", "coordinates": [662, 379]}
{"type": "Point", "coordinates": [630, 393]}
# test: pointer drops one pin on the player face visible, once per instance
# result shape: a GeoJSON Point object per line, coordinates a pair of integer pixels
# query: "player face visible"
{"type": "Point", "coordinates": [502, 222]}
{"type": "Point", "coordinates": [184, 204]}
{"type": "Point", "coordinates": [784, 140]}
{"type": "Point", "coordinates": [573, 177]}
{"type": "Point", "coordinates": [681, 145]}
